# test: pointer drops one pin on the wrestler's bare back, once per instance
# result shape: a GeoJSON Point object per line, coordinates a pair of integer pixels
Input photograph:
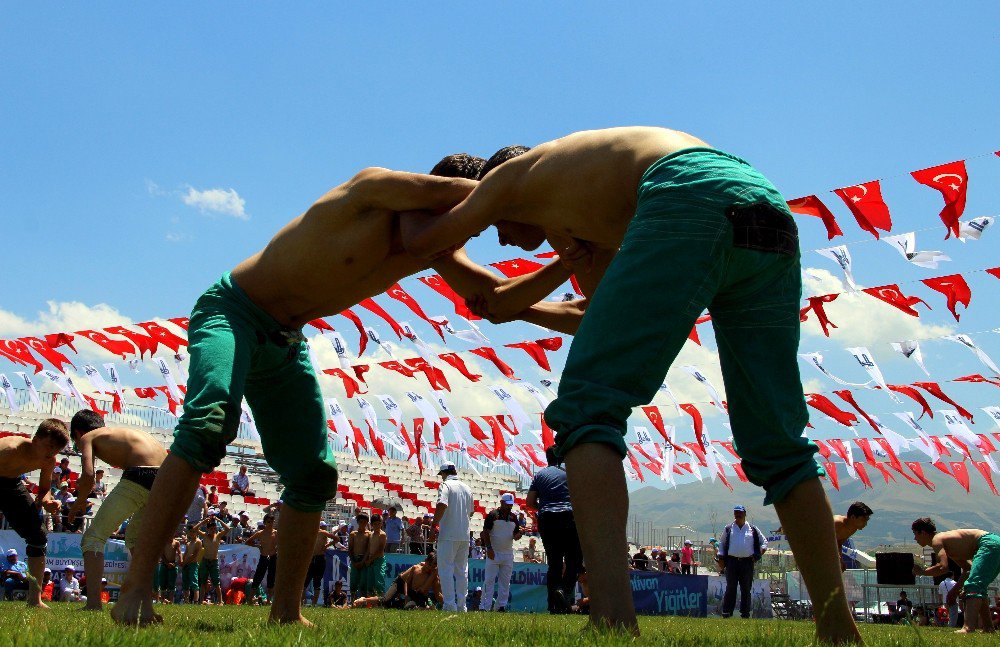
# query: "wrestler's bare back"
{"type": "Point", "coordinates": [18, 456]}
{"type": "Point", "coordinates": [123, 447]}
{"type": "Point", "coordinates": [345, 248]}
{"type": "Point", "coordinates": [583, 185]}
{"type": "Point", "coordinates": [960, 545]}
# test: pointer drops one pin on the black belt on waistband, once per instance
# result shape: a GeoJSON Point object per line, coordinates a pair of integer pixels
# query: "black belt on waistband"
{"type": "Point", "coordinates": [143, 476]}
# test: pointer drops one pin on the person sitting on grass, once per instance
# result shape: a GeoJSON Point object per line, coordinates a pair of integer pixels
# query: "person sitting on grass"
{"type": "Point", "coordinates": [412, 589]}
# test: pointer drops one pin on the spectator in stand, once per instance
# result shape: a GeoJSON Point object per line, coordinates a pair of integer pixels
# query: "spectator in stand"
{"type": "Point", "coordinates": [476, 550]}
{"type": "Point", "coordinates": [500, 530]}
{"type": "Point", "coordinates": [452, 514]}
{"type": "Point", "coordinates": [63, 495]}
{"type": "Point", "coordinates": [69, 586]}
{"type": "Point", "coordinates": [640, 560]}
{"type": "Point", "coordinates": [213, 496]}
{"type": "Point", "coordinates": [353, 522]}
{"type": "Point", "coordinates": [15, 575]}
{"type": "Point", "coordinates": [199, 506]}
{"type": "Point", "coordinates": [393, 532]}
{"type": "Point", "coordinates": [243, 526]}
{"type": "Point", "coordinates": [224, 515]}
{"type": "Point", "coordinates": [100, 489]}
{"type": "Point", "coordinates": [342, 535]}
{"type": "Point", "coordinates": [687, 557]}
{"type": "Point", "coordinates": [549, 494]}
{"type": "Point", "coordinates": [415, 536]}
{"type": "Point", "coordinates": [530, 554]}
{"type": "Point", "coordinates": [904, 607]}
{"type": "Point", "coordinates": [950, 602]}
{"type": "Point", "coordinates": [67, 473]}
{"type": "Point", "coordinates": [74, 520]}
{"type": "Point", "coordinates": [56, 479]}
{"type": "Point", "coordinates": [743, 544]}
{"type": "Point", "coordinates": [241, 483]}
{"type": "Point", "coordinates": [47, 585]}
{"type": "Point", "coordinates": [583, 602]}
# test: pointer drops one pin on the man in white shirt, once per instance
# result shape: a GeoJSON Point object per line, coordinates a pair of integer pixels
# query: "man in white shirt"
{"type": "Point", "coordinates": [499, 532]}
{"type": "Point", "coordinates": [69, 586]}
{"type": "Point", "coordinates": [949, 601]}
{"type": "Point", "coordinates": [741, 547]}
{"type": "Point", "coordinates": [241, 483]}
{"type": "Point", "coordinates": [454, 507]}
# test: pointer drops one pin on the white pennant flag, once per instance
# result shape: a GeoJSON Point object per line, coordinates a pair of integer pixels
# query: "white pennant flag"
{"type": "Point", "coordinates": [168, 376]}
{"type": "Point", "coordinates": [112, 372]}
{"type": "Point", "coordinates": [373, 335]}
{"type": "Point", "coordinates": [973, 229]}
{"type": "Point", "coordinates": [340, 422]}
{"type": "Point", "coordinates": [75, 392]}
{"type": "Point", "coordinates": [906, 244]}
{"type": "Point", "coordinates": [521, 419]}
{"type": "Point", "coordinates": [473, 335]}
{"type": "Point", "coordinates": [670, 394]}
{"type": "Point", "coordinates": [713, 464]}
{"type": "Point", "coordinates": [966, 341]}
{"type": "Point", "coordinates": [247, 417]}
{"type": "Point", "coordinates": [439, 398]}
{"type": "Point", "coordinates": [992, 412]}
{"type": "Point", "coordinates": [864, 357]}
{"type": "Point", "coordinates": [339, 346]}
{"type": "Point", "coordinates": [897, 442]}
{"type": "Point", "coordinates": [536, 394]}
{"type": "Point", "coordinates": [32, 391]}
{"type": "Point", "coordinates": [463, 448]}
{"type": "Point", "coordinates": [426, 409]}
{"type": "Point", "coordinates": [134, 365]}
{"type": "Point", "coordinates": [816, 360]}
{"type": "Point", "coordinates": [395, 415]}
{"type": "Point", "coordinates": [313, 358]}
{"type": "Point", "coordinates": [179, 358]}
{"type": "Point", "coordinates": [646, 441]}
{"type": "Point", "coordinates": [667, 473]}
{"type": "Point", "coordinates": [95, 378]}
{"type": "Point", "coordinates": [842, 257]}
{"type": "Point", "coordinates": [957, 426]}
{"type": "Point", "coordinates": [696, 470]}
{"type": "Point", "coordinates": [911, 350]}
{"type": "Point", "coordinates": [548, 387]}
{"type": "Point", "coordinates": [8, 389]}
{"type": "Point", "coordinates": [696, 373]}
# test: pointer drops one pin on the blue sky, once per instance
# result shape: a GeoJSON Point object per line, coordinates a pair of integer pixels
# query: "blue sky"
{"type": "Point", "coordinates": [111, 116]}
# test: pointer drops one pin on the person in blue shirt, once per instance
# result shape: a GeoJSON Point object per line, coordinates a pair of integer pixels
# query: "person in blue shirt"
{"type": "Point", "coordinates": [15, 575]}
{"type": "Point", "coordinates": [549, 495]}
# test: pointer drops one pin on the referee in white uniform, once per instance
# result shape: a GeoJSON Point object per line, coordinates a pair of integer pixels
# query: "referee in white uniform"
{"type": "Point", "coordinates": [499, 532]}
{"type": "Point", "coordinates": [454, 508]}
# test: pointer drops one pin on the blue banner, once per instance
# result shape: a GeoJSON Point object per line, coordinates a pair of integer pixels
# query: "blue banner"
{"type": "Point", "coordinates": [673, 595]}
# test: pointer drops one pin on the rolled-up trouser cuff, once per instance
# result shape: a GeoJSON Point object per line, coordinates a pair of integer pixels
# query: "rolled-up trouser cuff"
{"type": "Point", "coordinates": [779, 485]}
{"type": "Point", "coordinates": [34, 550]}
{"type": "Point", "coordinates": [311, 494]}
{"type": "Point", "coordinates": [200, 456]}
{"type": "Point", "coordinates": [565, 441]}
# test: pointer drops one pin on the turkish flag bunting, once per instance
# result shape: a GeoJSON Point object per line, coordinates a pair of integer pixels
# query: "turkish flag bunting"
{"type": "Point", "coordinates": [536, 349]}
{"type": "Point", "coordinates": [320, 324]}
{"type": "Point", "coordinates": [934, 389]}
{"type": "Point", "coordinates": [859, 469]}
{"type": "Point", "coordinates": [548, 437]}
{"type": "Point", "coordinates": [351, 386]}
{"type": "Point", "coordinates": [397, 292]}
{"type": "Point", "coordinates": [456, 362]}
{"type": "Point", "coordinates": [942, 467]}
{"type": "Point", "coordinates": [839, 447]}
{"type": "Point", "coordinates": [393, 365]}
{"type": "Point", "coordinates": [530, 449]}
{"type": "Point", "coordinates": [377, 443]}
{"type": "Point", "coordinates": [915, 395]}
{"type": "Point", "coordinates": [961, 446]}
{"type": "Point", "coordinates": [692, 411]}
{"type": "Point", "coordinates": [51, 355]}
{"type": "Point", "coordinates": [171, 403]}
{"type": "Point", "coordinates": [92, 403]}
{"type": "Point", "coordinates": [116, 401]}
{"type": "Point", "coordinates": [145, 392]}
{"type": "Point", "coordinates": [656, 419]}
{"type": "Point", "coordinates": [824, 405]}
{"type": "Point", "coordinates": [371, 306]}
{"type": "Point", "coordinates": [976, 377]}
{"type": "Point", "coordinates": [954, 288]}
{"type": "Point", "coordinates": [961, 473]}
{"type": "Point", "coordinates": [655, 460]}
{"type": "Point", "coordinates": [180, 322]}
{"type": "Point", "coordinates": [696, 448]}
{"type": "Point", "coordinates": [952, 180]}
{"type": "Point", "coordinates": [919, 471]}
{"type": "Point", "coordinates": [499, 444]}
{"type": "Point", "coordinates": [813, 206]}
{"type": "Point", "coordinates": [866, 449]}
{"type": "Point", "coordinates": [729, 447]}
{"type": "Point", "coordinates": [886, 475]}
{"type": "Point", "coordinates": [143, 342]}
{"type": "Point", "coordinates": [848, 397]}
{"type": "Point", "coordinates": [816, 305]}
{"type": "Point", "coordinates": [162, 335]}
{"type": "Point", "coordinates": [360, 370]}
{"type": "Point", "coordinates": [895, 464]}
{"type": "Point", "coordinates": [356, 320]}
{"type": "Point", "coordinates": [994, 271]}
{"type": "Point", "coordinates": [58, 339]}
{"type": "Point", "coordinates": [985, 444]}
{"type": "Point", "coordinates": [517, 267]}
{"type": "Point", "coordinates": [435, 376]}
{"type": "Point", "coordinates": [359, 437]}
{"type": "Point", "coordinates": [414, 451]}
{"type": "Point", "coordinates": [488, 353]}
{"type": "Point", "coordinates": [887, 447]}
{"type": "Point", "coordinates": [635, 466]}
{"type": "Point", "coordinates": [721, 473]}
{"type": "Point", "coordinates": [475, 430]}
{"type": "Point", "coordinates": [740, 474]}
{"type": "Point", "coordinates": [511, 429]}
{"type": "Point", "coordinates": [984, 469]}
{"type": "Point", "coordinates": [439, 285]}
{"type": "Point", "coordinates": [892, 295]}
{"type": "Point", "coordinates": [17, 351]}
{"type": "Point", "coordinates": [831, 473]}
{"type": "Point", "coordinates": [866, 203]}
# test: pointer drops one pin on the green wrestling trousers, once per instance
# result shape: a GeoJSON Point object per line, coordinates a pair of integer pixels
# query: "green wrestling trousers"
{"type": "Point", "coordinates": [711, 232]}
{"type": "Point", "coordinates": [238, 350]}
{"type": "Point", "coordinates": [985, 567]}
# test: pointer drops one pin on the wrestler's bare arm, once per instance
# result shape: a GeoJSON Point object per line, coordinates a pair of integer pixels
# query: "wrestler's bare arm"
{"type": "Point", "coordinates": [87, 476]}
{"type": "Point", "coordinates": [402, 191]}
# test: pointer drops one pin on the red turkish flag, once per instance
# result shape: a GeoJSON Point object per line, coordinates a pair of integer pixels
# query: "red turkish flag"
{"type": "Point", "coordinates": [961, 473]}
{"type": "Point", "coordinates": [942, 467]}
{"type": "Point", "coordinates": [536, 349]}
{"type": "Point", "coordinates": [954, 288]}
{"type": "Point", "coordinates": [439, 285]}
{"type": "Point", "coordinates": [976, 377]}
{"type": "Point", "coordinates": [393, 365]}
{"type": "Point", "coordinates": [499, 444]}
{"type": "Point", "coordinates": [985, 444]}
{"type": "Point", "coordinates": [995, 271]}
{"type": "Point", "coordinates": [696, 449]}
{"type": "Point", "coordinates": [729, 447]}
{"type": "Point", "coordinates": [356, 320]}
{"type": "Point", "coordinates": [848, 397]}
{"type": "Point", "coordinates": [51, 355]}
{"type": "Point", "coordinates": [17, 351]}
{"type": "Point", "coordinates": [552, 254]}
{"type": "Point", "coordinates": [693, 335]}
{"type": "Point", "coordinates": [171, 402]}
{"type": "Point", "coordinates": [824, 405]}
{"type": "Point", "coordinates": [488, 353]}
{"type": "Point", "coordinates": [656, 419]}
{"type": "Point", "coordinates": [823, 450]}
{"type": "Point", "coordinates": [143, 342]}
{"type": "Point", "coordinates": [351, 386]}
{"type": "Point", "coordinates": [411, 446]}
{"type": "Point", "coordinates": [377, 443]}
{"type": "Point", "coordinates": [914, 395]}
{"type": "Point", "coordinates": [816, 305]}
{"type": "Point", "coordinates": [635, 466]}
{"type": "Point", "coordinates": [397, 292]}
{"type": "Point", "coordinates": [866, 203]}
{"type": "Point", "coordinates": [859, 468]}
{"type": "Point", "coordinates": [92, 403]}
{"type": "Point", "coordinates": [320, 324]}
{"type": "Point", "coordinates": [892, 295]}
{"type": "Point", "coordinates": [530, 449]}
{"type": "Point", "coordinates": [896, 465]}
{"type": "Point", "coordinates": [934, 389]}
{"type": "Point", "coordinates": [831, 473]}
{"type": "Point", "coordinates": [839, 447]}
{"type": "Point", "coordinates": [511, 429]}
{"type": "Point", "coordinates": [435, 377]}
{"type": "Point", "coordinates": [962, 447]}
{"type": "Point", "coordinates": [940, 446]}
{"type": "Point", "coordinates": [456, 362]}
{"type": "Point", "coordinates": [475, 430]}
{"type": "Point", "coordinates": [692, 411]}
{"type": "Point", "coordinates": [813, 206]}
{"type": "Point", "coordinates": [886, 475]}
{"type": "Point", "coordinates": [517, 267]}
{"type": "Point", "coordinates": [162, 335]}
{"type": "Point", "coordinates": [721, 473]}
{"type": "Point", "coordinates": [952, 180]}
{"type": "Point", "coordinates": [145, 392]}
{"type": "Point", "coordinates": [360, 370]}
{"type": "Point", "coordinates": [887, 447]}
{"type": "Point", "coordinates": [984, 469]}
{"type": "Point", "coordinates": [58, 339]}
{"type": "Point", "coordinates": [116, 401]}
{"type": "Point", "coordinates": [548, 437]}
{"type": "Point", "coordinates": [180, 322]}
{"type": "Point", "coordinates": [740, 474]}
{"type": "Point", "coordinates": [919, 471]}
{"type": "Point", "coordinates": [866, 449]}
{"type": "Point", "coordinates": [359, 437]}
{"type": "Point", "coordinates": [371, 306]}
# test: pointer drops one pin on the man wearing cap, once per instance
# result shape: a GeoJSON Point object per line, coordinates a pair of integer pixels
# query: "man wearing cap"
{"type": "Point", "coordinates": [15, 575]}
{"type": "Point", "coordinates": [500, 530]}
{"type": "Point", "coordinates": [454, 508]}
{"type": "Point", "coordinates": [687, 557]}
{"type": "Point", "coordinates": [69, 586]}
{"type": "Point", "coordinates": [742, 545]}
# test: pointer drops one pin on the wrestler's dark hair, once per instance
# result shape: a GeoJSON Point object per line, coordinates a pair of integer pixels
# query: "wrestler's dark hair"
{"type": "Point", "coordinates": [54, 430]}
{"type": "Point", "coordinates": [268, 517]}
{"type": "Point", "coordinates": [362, 515]}
{"type": "Point", "coordinates": [859, 509]}
{"type": "Point", "coordinates": [550, 456]}
{"type": "Point", "coordinates": [459, 165]}
{"type": "Point", "coordinates": [504, 154]}
{"type": "Point", "coordinates": [83, 421]}
{"type": "Point", "coordinates": [924, 524]}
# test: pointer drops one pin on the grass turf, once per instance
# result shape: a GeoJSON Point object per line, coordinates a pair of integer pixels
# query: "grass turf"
{"type": "Point", "coordinates": [202, 626]}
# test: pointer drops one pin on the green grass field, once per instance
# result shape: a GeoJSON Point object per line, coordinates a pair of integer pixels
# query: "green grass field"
{"type": "Point", "coordinates": [198, 626]}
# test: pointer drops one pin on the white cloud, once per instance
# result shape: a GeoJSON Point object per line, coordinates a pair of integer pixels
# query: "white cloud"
{"type": "Point", "coordinates": [225, 201]}
{"type": "Point", "coordinates": [176, 237]}
{"type": "Point", "coordinates": [62, 316]}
